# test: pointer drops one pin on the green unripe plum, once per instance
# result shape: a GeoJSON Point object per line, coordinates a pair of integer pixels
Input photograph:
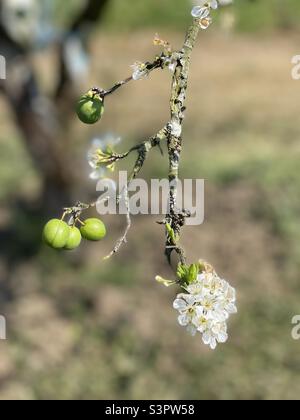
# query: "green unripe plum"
{"type": "Point", "coordinates": [56, 233]}
{"type": "Point", "coordinates": [74, 239]}
{"type": "Point", "coordinates": [90, 107]}
{"type": "Point", "coordinates": [93, 230]}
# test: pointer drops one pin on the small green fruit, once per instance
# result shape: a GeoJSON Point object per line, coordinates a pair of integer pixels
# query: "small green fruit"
{"type": "Point", "coordinates": [56, 234]}
{"type": "Point", "coordinates": [93, 230]}
{"type": "Point", "coordinates": [90, 107]}
{"type": "Point", "coordinates": [74, 239]}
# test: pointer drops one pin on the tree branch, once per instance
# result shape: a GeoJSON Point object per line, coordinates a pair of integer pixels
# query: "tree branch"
{"type": "Point", "coordinates": [175, 218]}
{"type": "Point", "coordinates": [158, 63]}
{"type": "Point", "coordinates": [123, 239]}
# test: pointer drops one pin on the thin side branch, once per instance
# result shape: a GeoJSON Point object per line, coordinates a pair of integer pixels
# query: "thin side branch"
{"type": "Point", "coordinates": [158, 63]}
{"type": "Point", "coordinates": [123, 239]}
{"type": "Point", "coordinates": [117, 86]}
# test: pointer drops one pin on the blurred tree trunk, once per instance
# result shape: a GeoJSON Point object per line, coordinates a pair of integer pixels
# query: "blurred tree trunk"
{"type": "Point", "coordinates": [37, 117]}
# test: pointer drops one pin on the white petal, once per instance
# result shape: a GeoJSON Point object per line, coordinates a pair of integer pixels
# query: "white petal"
{"type": "Point", "coordinates": [202, 324]}
{"type": "Point", "coordinates": [97, 174]}
{"type": "Point", "coordinates": [139, 74]}
{"type": "Point", "coordinates": [214, 4]}
{"type": "Point", "coordinates": [232, 309]}
{"type": "Point", "coordinates": [192, 329]}
{"type": "Point", "coordinates": [232, 296]}
{"type": "Point", "coordinates": [190, 299]}
{"type": "Point", "coordinates": [201, 278]}
{"type": "Point", "coordinates": [213, 343]}
{"type": "Point", "coordinates": [183, 320]}
{"type": "Point", "coordinates": [111, 140]}
{"type": "Point", "coordinates": [195, 288]}
{"type": "Point", "coordinates": [98, 143]}
{"type": "Point", "coordinates": [179, 305]}
{"type": "Point", "coordinates": [199, 12]}
{"type": "Point", "coordinates": [222, 337]}
{"type": "Point", "coordinates": [92, 163]}
{"type": "Point", "coordinates": [199, 311]}
{"type": "Point", "coordinates": [206, 337]}
{"type": "Point", "coordinates": [91, 157]}
{"type": "Point", "coordinates": [220, 316]}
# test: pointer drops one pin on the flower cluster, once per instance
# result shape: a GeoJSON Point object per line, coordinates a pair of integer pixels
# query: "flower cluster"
{"type": "Point", "coordinates": [206, 307]}
{"type": "Point", "coordinates": [202, 12]}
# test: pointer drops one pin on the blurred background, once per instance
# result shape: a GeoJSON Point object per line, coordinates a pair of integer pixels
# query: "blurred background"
{"type": "Point", "coordinates": [79, 328]}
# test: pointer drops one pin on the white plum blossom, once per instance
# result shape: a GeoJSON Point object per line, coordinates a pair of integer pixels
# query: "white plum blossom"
{"type": "Point", "coordinates": [109, 140]}
{"type": "Point", "coordinates": [185, 304]}
{"type": "Point", "coordinates": [213, 4]}
{"type": "Point", "coordinates": [140, 71]}
{"type": "Point", "coordinates": [202, 12]}
{"type": "Point", "coordinates": [206, 308]}
{"type": "Point", "coordinates": [216, 333]}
